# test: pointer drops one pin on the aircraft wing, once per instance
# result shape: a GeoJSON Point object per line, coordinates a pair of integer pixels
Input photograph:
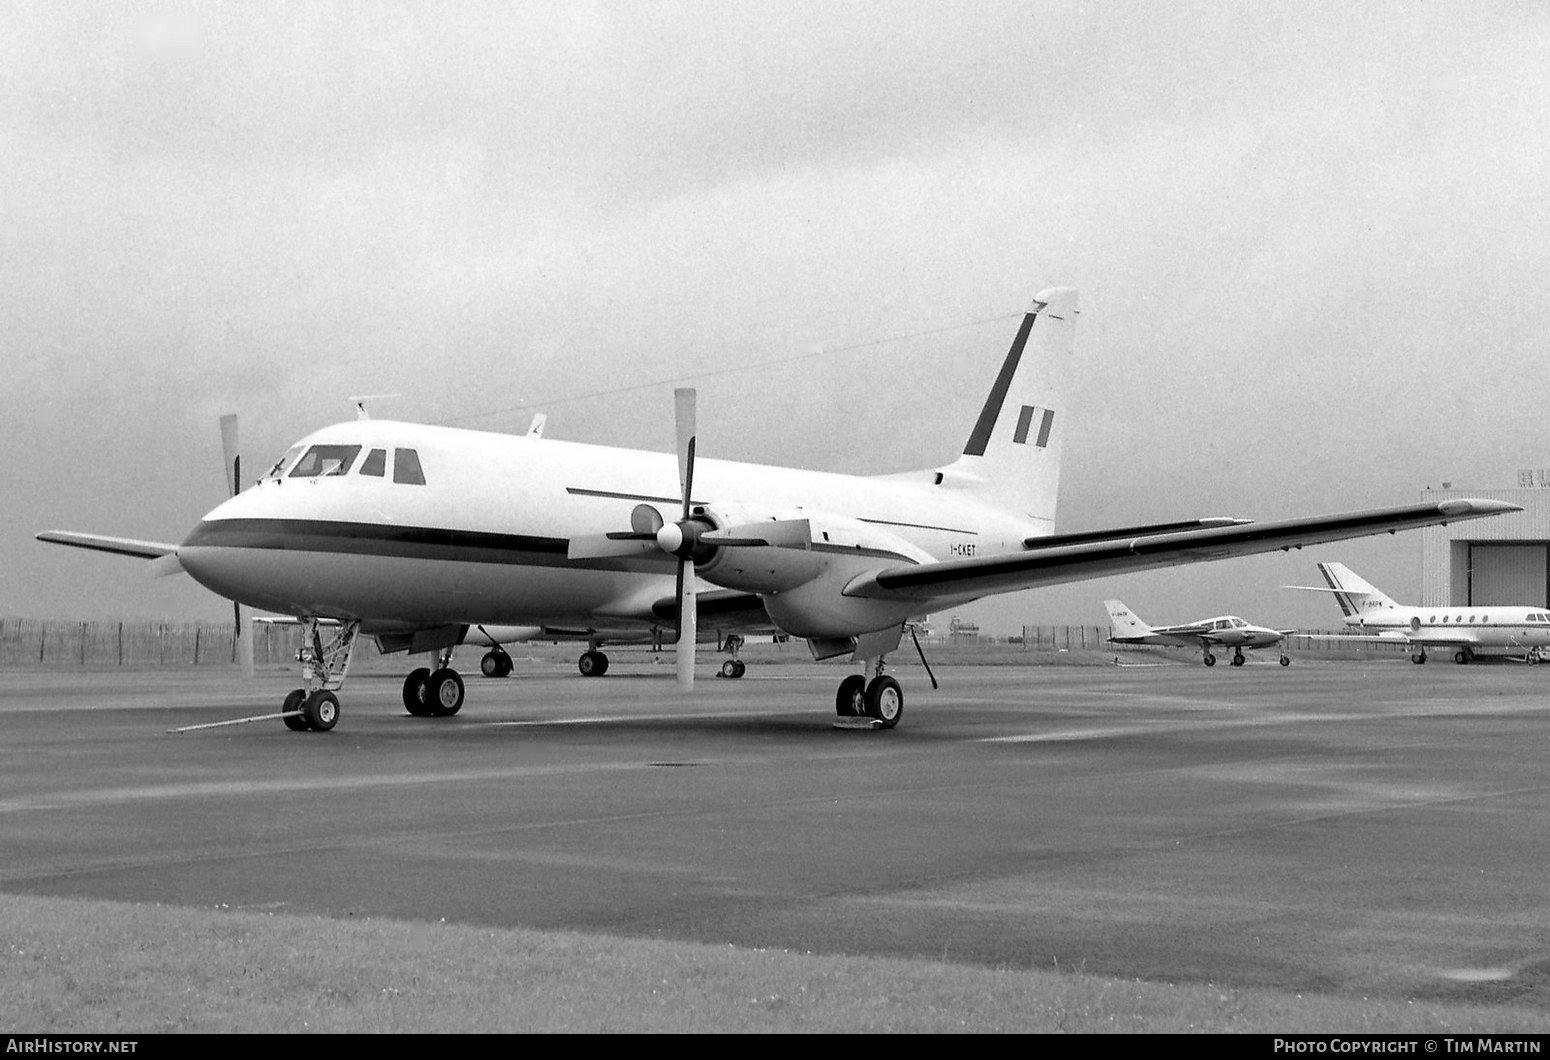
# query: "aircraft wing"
{"type": "Point", "coordinates": [1196, 629]}
{"type": "Point", "coordinates": [983, 576]}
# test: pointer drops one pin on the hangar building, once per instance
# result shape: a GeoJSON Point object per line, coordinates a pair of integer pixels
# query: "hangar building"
{"type": "Point", "coordinates": [1501, 560]}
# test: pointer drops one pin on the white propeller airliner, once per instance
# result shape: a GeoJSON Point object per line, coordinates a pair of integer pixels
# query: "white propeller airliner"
{"type": "Point", "coordinates": [1223, 631]}
{"type": "Point", "coordinates": [1461, 628]}
{"type": "Point", "coordinates": [414, 534]}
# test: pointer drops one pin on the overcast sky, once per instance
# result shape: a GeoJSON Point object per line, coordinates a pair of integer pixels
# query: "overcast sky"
{"type": "Point", "coordinates": [1311, 242]}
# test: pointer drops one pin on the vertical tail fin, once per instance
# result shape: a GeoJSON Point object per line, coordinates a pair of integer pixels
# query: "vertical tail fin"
{"type": "Point", "coordinates": [1352, 592]}
{"type": "Point", "coordinates": [1123, 622]}
{"type": "Point", "coordinates": [1012, 457]}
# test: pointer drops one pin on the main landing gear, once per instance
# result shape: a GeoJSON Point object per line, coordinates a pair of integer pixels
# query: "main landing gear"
{"type": "Point", "coordinates": [315, 706]}
{"type": "Point", "coordinates": [435, 693]}
{"type": "Point", "coordinates": [592, 663]}
{"type": "Point", "coordinates": [496, 663]}
{"type": "Point", "coordinates": [863, 704]}
{"type": "Point", "coordinates": [1418, 657]}
{"type": "Point", "coordinates": [733, 667]}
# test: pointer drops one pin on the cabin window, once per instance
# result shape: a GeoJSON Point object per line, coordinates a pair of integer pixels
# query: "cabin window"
{"type": "Point", "coordinates": [406, 467]}
{"type": "Point", "coordinates": [1471, 619]}
{"type": "Point", "coordinates": [375, 463]}
{"type": "Point", "coordinates": [323, 460]}
{"type": "Point", "coordinates": [1432, 620]}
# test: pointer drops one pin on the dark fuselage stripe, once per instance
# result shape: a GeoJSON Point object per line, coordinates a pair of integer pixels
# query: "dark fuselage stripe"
{"type": "Point", "coordinates": [374, 539]}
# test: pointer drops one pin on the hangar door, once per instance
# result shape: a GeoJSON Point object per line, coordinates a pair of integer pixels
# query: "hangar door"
{"type": "Point", "coordinates": [1509, 574]}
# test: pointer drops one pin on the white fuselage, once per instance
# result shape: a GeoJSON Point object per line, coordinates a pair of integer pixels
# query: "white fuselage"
{"type": "Point", "coordinates": [1488, 625]}
{"type": "Point", "coordinates": [484, 539]}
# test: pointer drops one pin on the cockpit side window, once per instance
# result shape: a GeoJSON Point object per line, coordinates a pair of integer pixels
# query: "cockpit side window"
{"type": "Point", "coordinates": [282, 465]}
{"type": "Point", "coordinates": [325, 460]}
{"type": "Point", "coordinates": [375, 463]}
{"type": "Point", "coordinates": [406, 467]}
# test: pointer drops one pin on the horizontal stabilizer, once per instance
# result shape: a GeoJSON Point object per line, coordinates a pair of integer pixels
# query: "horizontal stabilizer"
{"type": "Point", "coordinates": [119, 546]}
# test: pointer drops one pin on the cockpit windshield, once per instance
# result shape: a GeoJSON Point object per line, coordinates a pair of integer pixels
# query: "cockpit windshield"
{"type": "Point", "coordinates": [282, 465]}
{"type": "Point", "coordinates": [325, 460]}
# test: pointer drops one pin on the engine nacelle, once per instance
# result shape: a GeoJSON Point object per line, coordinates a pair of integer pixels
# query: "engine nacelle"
{"type": "Point", "coordinates": [807, 561]}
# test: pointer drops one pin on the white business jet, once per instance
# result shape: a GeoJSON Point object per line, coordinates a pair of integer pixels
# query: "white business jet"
{"type": "Point", "coordinates": [413, 534]}
{"type": "Point", "coordinates": [1462, 629]}
{"type": "Point", "coordinates": [1224, 631]}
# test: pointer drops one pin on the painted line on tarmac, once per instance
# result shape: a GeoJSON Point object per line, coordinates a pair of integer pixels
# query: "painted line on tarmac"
{"type": "Point", "coordinates": [244, 788]}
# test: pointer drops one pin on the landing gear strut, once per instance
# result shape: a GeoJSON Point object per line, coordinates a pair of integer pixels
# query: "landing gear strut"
{"type": "Point", "coordinates": [323, 667]}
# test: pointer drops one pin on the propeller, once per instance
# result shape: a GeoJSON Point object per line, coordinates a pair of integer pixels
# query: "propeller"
{"type": "Point", "coordinates": [242, 625]}
{"type": "Point", "coordinates": [672, 537]}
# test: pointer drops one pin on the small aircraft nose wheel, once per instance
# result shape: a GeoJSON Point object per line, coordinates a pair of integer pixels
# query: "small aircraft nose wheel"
{"type": "Point", "coordinates": [1209, 660]}
{"type": "Point", "coordinates": [1286, 660]}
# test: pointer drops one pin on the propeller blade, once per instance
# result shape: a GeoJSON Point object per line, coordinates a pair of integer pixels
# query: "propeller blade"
{"type": "Point", "coordinates": [688, 625]}
{"type": "Point", "coordinates": [615, 546]}
{"type": "Point", "coordinates": [683, 408]}
{"type": "Point", "coordinates": [241, 624]}
{"type": "Point", "coordinates": [232, 466]}
{"type": "Point", "coordinates": [688, 611]}
{"type": "Point", "coordinates": [644, 519]}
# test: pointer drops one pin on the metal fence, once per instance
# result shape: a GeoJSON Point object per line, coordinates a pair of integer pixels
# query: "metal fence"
{"type": "Point", "coordinates": [31, 641]}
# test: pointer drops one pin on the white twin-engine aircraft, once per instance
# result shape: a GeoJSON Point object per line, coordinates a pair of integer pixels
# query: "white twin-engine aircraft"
{"type": "Point", "coordinates": [1224, 631]}
{"type": "Point", "coordinates": [414, 534]}
{"type": "Point", "coordinates": [1462, 629]}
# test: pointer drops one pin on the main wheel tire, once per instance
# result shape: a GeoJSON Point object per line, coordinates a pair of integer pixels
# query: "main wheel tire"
{"type": "Point", "coordinates": [293, 702]}
{"type": "Point", "coordinates": [592, 664]}
{"type": "Point", "coordinates": [444, 693]}
{"type": "Point", "coordinates": [740, 668]}
{"type": "Point", "coordinates": [1461, 656]}
{"type": "Point", "coordinates": [1418, 658]}
{"type": "Point", "coordinates": [415, 693]}
{"type": "Point", "coordinates": [495, 664]}
{"type": "Point", "coordinates": [321, 710]}
{"type": "Point", "coordinates": [885, 701]}
{"type": "Point", "coordinates": [1237, 660]}
{"type": "Point", "coordinates": [850, 700]}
